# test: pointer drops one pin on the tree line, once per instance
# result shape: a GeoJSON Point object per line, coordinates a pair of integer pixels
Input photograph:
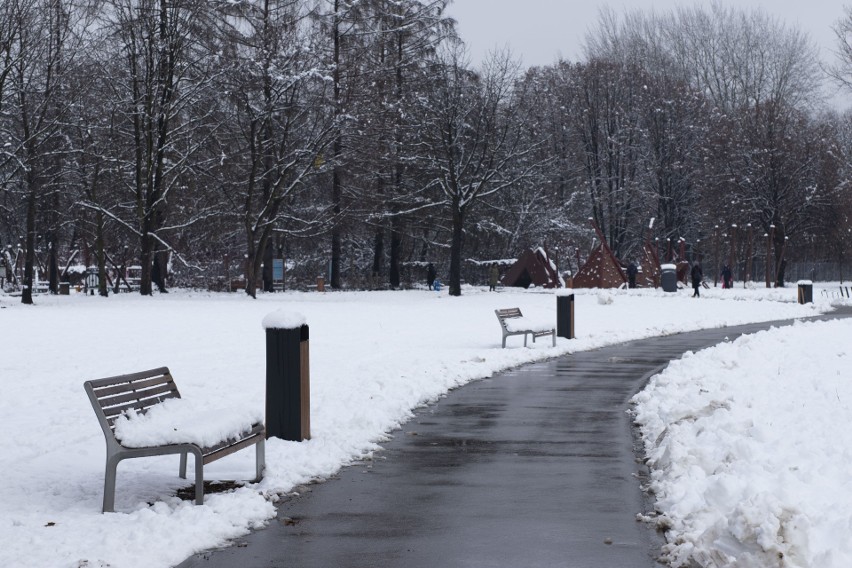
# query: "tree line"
{"type": "Point", "coordinates": [355, 139]}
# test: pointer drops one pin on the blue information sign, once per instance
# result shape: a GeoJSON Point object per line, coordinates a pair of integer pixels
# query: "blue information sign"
{"type": "Point", "coordinates": [278, 269]}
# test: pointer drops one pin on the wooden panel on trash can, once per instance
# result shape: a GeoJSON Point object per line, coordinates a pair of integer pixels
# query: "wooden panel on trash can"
{"type": "Point", "coordinates": [305, 389]}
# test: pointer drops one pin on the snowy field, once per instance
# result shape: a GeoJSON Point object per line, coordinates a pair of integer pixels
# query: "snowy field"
{"type": "Point", "coordinates": [375, 356]}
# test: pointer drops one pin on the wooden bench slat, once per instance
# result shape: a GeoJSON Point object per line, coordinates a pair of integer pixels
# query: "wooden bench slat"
{"type": "Point", "coordinates": [140, 395]}
{"type": "Point", "coordinates": [132, 386]}
{"type": "Point", "coordinates": [113, 411]}
{"type": "Point", "coordinates": [255, 429]}
{"type": "Point", "coordinates": [229, 448]}
{"type": "Point", "coordinates": [509, 313]}
{"type": "Point", "coordinates": [97, 383]}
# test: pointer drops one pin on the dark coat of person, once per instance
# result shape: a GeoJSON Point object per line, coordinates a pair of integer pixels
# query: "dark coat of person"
{"type": "Point", "coordinates": [632, 271]}
{"type": "Point", "coordinates": [493, 277]}
{"type": "Point", "coordinates": [727, 277]}
{"type": "Point", "coordinates": [697, 274]}
{"type": "Point", "coordinates": [430, 275]}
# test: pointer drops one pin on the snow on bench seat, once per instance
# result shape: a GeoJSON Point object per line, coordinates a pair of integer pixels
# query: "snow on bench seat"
{"type": "Point", "coordinates": [184, 421]}
{"type": "Point", "coordinates": [142, 414]}
{"type": "Point", "coordinates": [513, 322]}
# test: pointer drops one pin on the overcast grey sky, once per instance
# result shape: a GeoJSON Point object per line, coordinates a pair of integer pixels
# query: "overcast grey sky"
{"type": "Point", "coordinates": [540, 31]}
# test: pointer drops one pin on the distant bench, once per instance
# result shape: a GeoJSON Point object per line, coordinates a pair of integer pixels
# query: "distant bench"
{"type": "Point", "coordinates": [513, 322]}
{"type": "Point", "coordinates": [113, 396]}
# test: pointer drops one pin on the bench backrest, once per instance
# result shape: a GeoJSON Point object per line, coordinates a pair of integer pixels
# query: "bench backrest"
{"type": "Point", "coordinates": [113, 395]}
{"type": "Point", "coordinates": [507, 313]}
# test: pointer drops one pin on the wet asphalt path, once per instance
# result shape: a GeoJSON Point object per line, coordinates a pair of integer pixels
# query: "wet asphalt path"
{"type": "Point", "coordinates": [535, 467]}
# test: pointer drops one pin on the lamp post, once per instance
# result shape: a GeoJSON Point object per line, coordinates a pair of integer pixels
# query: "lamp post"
{"type": "Point", "coordinates": [732, 255]}
{"type": "Point", "coordinates": [749, 255]}
{"type": "Point", "coordinates": [781, 261]}
{"type": "Point", "coordinates": [769, 237]}
{"type": "Point", "coordinates": [715, 256]}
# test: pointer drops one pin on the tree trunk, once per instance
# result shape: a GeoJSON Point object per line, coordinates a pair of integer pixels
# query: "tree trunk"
{"type": "Point", "coordinates": [29, 259]}
{"type": "Point", "coordinates": [396, 242]}
{"type": "Point", "coordinates": [160, 269]}
{"type": "Point", "coordinates": [100, 254]}
{"type": "Point", "coordinates": [53, 267]}
{"type": "Point", "coordinates": [145, 257]}
{"type": "Point", "coordinates": [456, 251]}
{"type": "Point", "coordinates": [337, 149]}
{"type": "Point", "coordinates": [268, 255]}
{"type": "Point", "coordinates": [249, 268]}
{"type": "Point", "coordinates": [378, 254]}
{"type": "Point", "coordinates": [780, 241]}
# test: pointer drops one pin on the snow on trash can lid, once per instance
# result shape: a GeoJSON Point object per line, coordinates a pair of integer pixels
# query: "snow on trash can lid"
{"type": "Point", "coordinates": [668, 267]}
{"type": "Point", "coordinates": [282, 319]}
{"type": "Point", "coordinates": [805, 283]}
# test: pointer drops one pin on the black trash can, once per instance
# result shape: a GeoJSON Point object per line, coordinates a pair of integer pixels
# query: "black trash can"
{"type": "Point", "coordinates": [668, 277]}
{"type": "Point", "coordinates": [288, 400]}
{"type": "Point", "coordinates": [565, 315]}
{"type": "Point", "coordinates": [806, 292]}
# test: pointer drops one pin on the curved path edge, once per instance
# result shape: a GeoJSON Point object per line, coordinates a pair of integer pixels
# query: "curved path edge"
{"type": "Point", "coordinates": [539, 466]}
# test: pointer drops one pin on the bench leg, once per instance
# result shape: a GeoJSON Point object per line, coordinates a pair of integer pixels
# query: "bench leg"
{"type": "Point", "coordinates": [182, 471]}
{"type": "Point", "coordinates": [199, 478]}
{"type": "Point", "coordinates": [504, 342]}
{"type": "Point", "coordinates": [109, 483]}
{"type": "Point", "coordinates": [525, 340]}
{"type": "Point", "coordinates": [553, 335]}
{"type": "Point", "coordinates": [260, 459]}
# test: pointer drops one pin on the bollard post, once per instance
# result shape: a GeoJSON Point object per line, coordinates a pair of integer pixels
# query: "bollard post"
{"type": "Point", "coordinates": [565, 315]}
{"type": "Point", "coordinates": [288, 397]}
{"type": "Point", "coordinates": [806, 292]}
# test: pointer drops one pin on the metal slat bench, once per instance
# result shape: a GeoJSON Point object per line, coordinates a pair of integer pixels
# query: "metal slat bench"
{"type": "Point", "coordinates": [512, 313]}
{"type": "Point", "coordinates": [112, 396]}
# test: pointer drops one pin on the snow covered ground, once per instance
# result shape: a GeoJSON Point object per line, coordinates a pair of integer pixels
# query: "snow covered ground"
{"type": "Point", "coordinates": [375, 356]}
{"type": "Point", "coordinates": [751, 449]}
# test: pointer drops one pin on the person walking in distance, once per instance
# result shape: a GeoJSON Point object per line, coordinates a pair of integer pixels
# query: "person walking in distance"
{"type": "Point", "coordinates": [431, 274]}
{"type": "Point", "coordinates": [697, 276]}
{"type": "Point", "coordinates": [632, 271]}
{"type": "Point", "coordinates": [493, 277]}
{"type": "Point", "coordinates": [727, 277]}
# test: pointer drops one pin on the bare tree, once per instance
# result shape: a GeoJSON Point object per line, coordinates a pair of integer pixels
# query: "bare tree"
{"type": "Point", "coordinates": [607, 122]}
{"type": "Point", "coordinates": [470, 137]}
{"type": "Point", "coordinates": [672, 114]}
{"type": "Point", "coordinates": [841, 71]}
{"type": "Point", "coordinates": [278, 127]}
{"type": "Point", "coordinates": [159, 90]}
{"type": "Point", "coordinates": [399, 37]}
{"type": "Point", "coordinates": [39, 55]}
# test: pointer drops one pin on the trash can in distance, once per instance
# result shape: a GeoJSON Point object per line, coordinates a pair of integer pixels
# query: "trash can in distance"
{"type": "Point", "coordinates": [668, 277]}
{"type": "Point", "coordinates": [806, 292]}
{"type": "Point", "coordinates": [565, 314]}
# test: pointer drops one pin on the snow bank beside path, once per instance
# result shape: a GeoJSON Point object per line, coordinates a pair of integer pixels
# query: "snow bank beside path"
{"type": "Point", "coordinates": [751, 450]}
{"type": "Point", "coordinates": [375, 356]}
